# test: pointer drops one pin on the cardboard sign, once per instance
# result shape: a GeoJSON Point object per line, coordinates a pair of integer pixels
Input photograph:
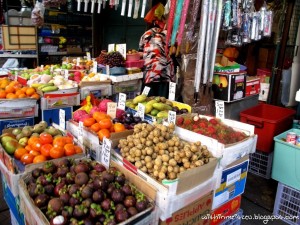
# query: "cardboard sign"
{"type": "Point", "coordinates": [172, 91]}
{"type": "Point", "coordinates": [95, 67]}
{"type": "Point", "coordinates": [220, 109]}
{"type": "Point", "coordinates": [112, 109]}
{"type": "Point", "coordinates": [141, 111]}
{"type": "Point", "coordinates": [122, 101]}
{"type": "Point", "coordinates": [80, 134]}
{"type": "Point", "coordinates": [122, 49]}
{"type": "Point", "coordinates": [171, 117]}
{"type": "Point", "coordinates": [146, 90]}
{"type": "Point", "coordinates": [111, 47]}
{"type": "Point", "coordinates": [88, 56]}
{"type": "Point", "coordinates": [105, 153]}
{"type": "Point", "coordinates": [62, 119]}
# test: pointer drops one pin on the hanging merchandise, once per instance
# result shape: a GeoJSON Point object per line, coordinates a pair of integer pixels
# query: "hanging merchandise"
{"type": "Point", "coordinates": [99, 6]}
{"type": "Point", "coordinates": [93, 6]}
{"type": "Point", "coordinates": [79, 5]}
{"type": "Point", "coordinates": [130, 8]}
{"type": "Point", "coordinates": [37, 14]}
{"type": "Point", "coordinates": [182, 23]}
{"type": "Point", "coordinates": [227, 16]}
{"type": "Point", "coordinates": [176, 22]}
{"type": "Point", "coordinates": [86, 3]}
{"type": "Point", "coordinates": [170, 23]}
{"type": "Point", "coordinates": [123, 8]}
{"type": "Point", "coordinates": [136, 9]}
{"type": "Point", "coordinates": [143, 8]}
{"type": "Point", "coordinates": [54, 3]}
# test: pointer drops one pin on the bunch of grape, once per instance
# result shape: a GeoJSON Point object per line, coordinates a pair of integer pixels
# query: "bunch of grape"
{"type": "Point", "coordinates": [102, 59]}
{"type": "Point", "coordinates": [115, 59]}
{"type": "Point", "coordinates": [54, 3]}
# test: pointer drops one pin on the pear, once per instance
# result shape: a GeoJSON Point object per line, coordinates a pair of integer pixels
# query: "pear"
{"type": "Point", "coordinates": [23, 141]}
{"type": "Point", "coordinates": [27, 127]}
{"type": "Point", "coordinates": [38, 128]}
{"type": "Point", "coordinates": [53, 131]}
{"type": "Point", "coordinates": [35, 134]}
{"type": "Point", "coordinates": [27, 132]}
{"type": "Point", "coordinates": [11, 146]}
{"type": "Point", "coordinates": [19, 136]}
{"type": "Point", "coordinates": [16, 131]}
{"type": "Point", "coordinates": [5, 139]}
{"type": "Point", "coordinates": [8, 134]}
{"type": "Point", "coordinates": [44, 124]}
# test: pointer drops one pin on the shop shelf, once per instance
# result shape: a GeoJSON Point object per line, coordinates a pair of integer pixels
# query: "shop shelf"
{"type": "Point", "coordinates": [261, 164]}
{"type": "Point", "coordinates": [269, 121]}
{"type": "Point", "coordinates": [286, 167]}
{"type": "Point", "coordinates": [236, 219]}
{"type": "Point", "coordinates": [287, 204]}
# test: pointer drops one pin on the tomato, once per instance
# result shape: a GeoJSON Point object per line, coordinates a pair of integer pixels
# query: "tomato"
{"type": "Point", "coordinates": [105, 123]}
{"type": "Point", "coordinates": [27, 158]}
{"type": "Point", "coordinates": [46, 138]}
{"type": "Point", "coordinates": [119, 127]}
{"type": "Point", "coordinates": [100, 116]}
{"type": "Point", "coordinates": [36, 145]}
{"type": "Point", "coordinates": [34, 153]}
{"type": "Point", "coordinates": [87, 122]}
{"type": "Point", "coordinates": [68, 140]}
{"type": "Point", "coordinates": [39, 159]}
{"type": "Point", "coordinates": [59, 142]}
{"type": "Point", "coordinates": [32, 139]}
{"type": "Point", "coordinates": [95, 127]}
{"type": "Point", "coordinates": [78, 149]}
{"type": "Point", "coordinates": [69, 149]}
{"type": "Point", "coordinates": [19, 152]}
{"type": "Point", "coordinates": [103, 133]}
{"type": "Point", "coordinates": [56, 152]}
{"type": "Point", "coordinates": [45, 150]}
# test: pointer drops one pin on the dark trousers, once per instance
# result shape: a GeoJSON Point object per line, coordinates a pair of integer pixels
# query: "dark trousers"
{"type": "Point", "coordinates": [159, 89]}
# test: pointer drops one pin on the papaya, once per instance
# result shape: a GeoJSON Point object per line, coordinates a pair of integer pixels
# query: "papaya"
{"type": "Point", "coordinates": [149, 107]}
{"type": "Point", "coordinates": [162, 114]}
{"type": "Point", "coordinates": [161, 106]}
{"type": "Point", "coordinates": [139, 99]}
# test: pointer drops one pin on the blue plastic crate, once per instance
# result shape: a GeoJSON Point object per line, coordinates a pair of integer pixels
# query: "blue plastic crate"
{"type": "Point", "coordinates": [286, 166]}
{"type": "Point", "coordinates": [236, 219]}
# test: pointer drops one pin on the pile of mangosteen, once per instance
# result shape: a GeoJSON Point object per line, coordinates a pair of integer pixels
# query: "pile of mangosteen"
{"type": "Point", "coordinates": [84, 192]}
{"type": "Point", "coordinates": [129, 120]}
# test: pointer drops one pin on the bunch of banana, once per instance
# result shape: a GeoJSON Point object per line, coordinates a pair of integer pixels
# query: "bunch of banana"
{"type": "Point", "coordinates": [45, 87]}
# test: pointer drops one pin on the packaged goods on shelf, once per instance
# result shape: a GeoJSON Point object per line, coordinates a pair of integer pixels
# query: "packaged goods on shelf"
{"type": "Point", "coordinates": [286, 168]}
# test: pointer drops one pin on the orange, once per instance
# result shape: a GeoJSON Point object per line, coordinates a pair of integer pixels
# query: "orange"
{"type": "Point", "coordinates": [95, 127]}
{"type": "Point", "coordinates": [24, 89]}
{"type": "Point", "coordinates": [35, 95]}
{"type": "Point", "coordinates": [30, 91]}
{"type": "Point", "coordinates": [32, 139]}
{"type": "Point", "coordinates": [28, 147]}
{"type": "Point", "coordinates": [27, 158]}
{"type": "Point", "coordinates": [78, 149]}
{"type": "Point", "coordinates": [59, 142]}
{"type": "Point", "coordinates": [119, 127]}
{"type": "Point", "coordinates": [103, 133]}
{"type": "Point", "coordinates": [68, 140]}
{"type": "Point", "coordinates": [4, 83]}
{"type": "Point", "coordinates": [11, 96]}
{"type": "Point", "coordinates": [21, 96]}
{"type": "Point", "coordinates": [19, 91]}
{"type": "Point", "coordinates": [87, 122]}
{"type": "Point", "coordinates": [46, 138]}
{"type": "Point", "coordinates": [105, 123]}
{"type": "Point", "coordinates": [36, 145]}
{"type": "Point", "coordinates": [9, 89]}
{"type": "Point", "coordinates": [19, 152]}
{"type": "Point", "coordinates": [39, 158]}
{"type": "Point", "coordinates": [2, 94]}
{"type": "Point", "coordinates": [69, 149]}
{"type": "Point", "coordinates": [57, 152]}
{"type": "Point", "coordinates": [34, 153]}
{"type": "Point", "coordinates": [45, 150]}
{"type": "Point", "coordinates": [100, 115]}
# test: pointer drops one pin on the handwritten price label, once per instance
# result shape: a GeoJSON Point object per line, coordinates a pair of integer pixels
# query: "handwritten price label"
{"type": "Point", "coordinates": [146, 90]}
{"type": "Point", "coordinates": [122, 49]}
{"type": "Point", "coordinates": [80, 134]}
{"type": "Point", "coordinates": [171, 117]}
{"type": "Point", "coordinates": [141, 111]}
{"type": "Point", "coordinates": [172, 91]}
{"type": "Point", "coordinates": [122, 101]}
{"type": "Point", "coordinates": [66, 75]}
{"type": "Point", "coordinates": [62, 119]}
{"type": "Point", "coordinates": [111, 47]}
{"type": "Point", "coordinates": [220, 109]}
{"type": "Point", "coordinates": [112, 109]}
{"type": "Point", "coordinates": [88, 56]}
{"type": "Point", "coordinates": [78, 61]}
{"type": "Point", "coordinates": [95, 66]}
{"type": "Point", "coordinates": [105, 153]}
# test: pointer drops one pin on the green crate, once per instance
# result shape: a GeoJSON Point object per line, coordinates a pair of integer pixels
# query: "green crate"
{"type": "Point", "coordinates": [286, 161]}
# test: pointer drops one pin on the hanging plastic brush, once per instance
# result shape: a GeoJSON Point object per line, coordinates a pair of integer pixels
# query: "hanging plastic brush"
{"type": "Point", "coordinates": [143, 8]}
{"type": "Point", "coordinates": [99, 6]}
{"type": "Point", "coordinates": [123, 8]}
{"type": "Point", "coordinates": [136, 9]}
{"type": "Point", "coordinates": [170, 23]}
{"type": "Point", "coordinates": [93, 6]}
{"type": "Point", "coordinates": [130, 8]}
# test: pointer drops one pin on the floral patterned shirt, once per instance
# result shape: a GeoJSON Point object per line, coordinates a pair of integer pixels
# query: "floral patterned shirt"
{"type": "Point", "coordinates": [158, 65]}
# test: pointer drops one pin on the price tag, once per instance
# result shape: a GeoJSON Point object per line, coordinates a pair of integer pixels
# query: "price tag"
{"type": "Point", "coordinates": [66, 74]}
{"type": "Point", "coordinates": [122, 49]}
{"type": "Point", "coordinates": [111, 47]}
{"type": "Point", "coordinates": [62, 119]}
{"type": "Point", "coordinates": [78, 61]}
{"type": "Point", "coordinates": [112, 109]}
{"type": "Point", "coordinates": [141, 111]}
{"type": "Point", "coordinates": [146, 90]}
{"type": "Point", "coordinates": [80, 134]}
{"type": "Point", "coordinates": [105, 153]}
{"type": "Point", "coordinates": [122, 101]}
{"type": "Point", "coordinates": [172, 91]}
{"type": "Point", "coordinates": [171, 117]}
{"type": "Point", "coordinates": [98, 152]}
{"type": "Point", "coordinates": [220, 109]}
{"type": "Point", "coordinates": [88, 56]}
{"type": "Point", "coordinates": [107, 69]}
{"type": "Point", "coordinates": [95, 67]}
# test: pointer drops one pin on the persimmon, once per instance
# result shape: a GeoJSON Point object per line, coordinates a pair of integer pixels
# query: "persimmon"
{"type": "Point", "coordinates": [69, 149]}
{"type": "Point", "coordinates": [119, 127]}
{"type": "Point", "coordinates": [34, 153]}
{"type": "Point", "coordinates": [32, 139]}
{"type": "Point", "coordinates": [87, 122]}
{"type": "Point", "coordinates": [68, 140]}
{"type": "Point", "coordinates": [46, 138]}
{"type": "Point", "coordinates": [100, 116]}
{"type": "Point", "coordinates": [59, 142]}
{"type": "Point", "coordinates": [105, 123]}
{"type": "Point", "coordinates": [2, 94]}
{"type": "Point", "coordinates": [103, 133]}
{"type": "Point", "coordinates": [35, 95]}
{"type": "Point", "coordinates": [19, 152]}
{"type": "Point", "coordinates": [36, 145]}
{"type": "Point", "coordinates": [78, 149]}
{"type": "Point", "coordinates": [39, 159]}
{"type": "Point", "coordinates": [11, 96]}
{"type": "Point", "coordinates": [45, 150]}
{"type": "Point", "coordinates": [56, 152]}
{"type": "Point", "coordinates": [95, 127]}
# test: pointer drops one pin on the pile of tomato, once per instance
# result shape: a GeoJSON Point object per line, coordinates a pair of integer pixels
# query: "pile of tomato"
{"type": "Point", "coordinates": [45, 147]}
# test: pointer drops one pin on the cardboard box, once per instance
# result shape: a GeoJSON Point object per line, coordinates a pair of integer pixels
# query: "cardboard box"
{"type": "Point", "coordinates": [225, 65]}
{"type": "Point", "coordinates": [226, 210]}
{"type": "Point", "coordinates": [125, 77]}
{"type": "Point", "coordinates": [16, 122]}
{"type": "Point", "coordinates": [252, 85]}
{"type": "Point", "coordinates": [229, 86]}
{"type": "Point", "coordinates": [34, 215]}
{"type": "Point", "coordinates": [102, 90]}
{"type": "Point", "coordinates": [196, 213]}
{"type": "Point", "coordinates": [233, 182]}
{"type": "Point", "coordinates": [52, 115]}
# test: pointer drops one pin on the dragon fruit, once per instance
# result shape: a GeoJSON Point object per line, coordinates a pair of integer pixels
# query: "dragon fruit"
{"type": "Point", "coordinates": [79, 115]}
{"type": "Point", "coordinates": [103, 105]}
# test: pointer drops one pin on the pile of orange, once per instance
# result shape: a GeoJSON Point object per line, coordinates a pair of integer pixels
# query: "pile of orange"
{"type": "Point", "coordinates": [102, 124]}
{"type": "Point", "coordinates": [13, 90]}
{"type": "Point", "coordinates": [44, 147]}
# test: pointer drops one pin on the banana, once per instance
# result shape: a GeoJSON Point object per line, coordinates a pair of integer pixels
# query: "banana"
{"type": "Point", "coordinates": [45, 85]}
{"type": "Point", "coordinates": [49, 88]}
{"type": "Point", "coordinates": [36, 85]}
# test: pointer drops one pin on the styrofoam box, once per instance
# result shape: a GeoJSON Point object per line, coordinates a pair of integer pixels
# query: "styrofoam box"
{"type": "Point", "coordinates": [98, 91]}
{"type": "Point", "coordinates": [227, 153]}
{"type": "Point", "coordinates": [61, 101]}
{"type": "Point", "coordinates": [125, 77]}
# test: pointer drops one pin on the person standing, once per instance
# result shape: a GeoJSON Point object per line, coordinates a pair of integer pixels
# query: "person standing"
{"type": "Point", "coordinates": [158, 66]}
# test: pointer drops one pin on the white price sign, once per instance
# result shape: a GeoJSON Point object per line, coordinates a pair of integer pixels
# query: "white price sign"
{"type": "Point", "coordinates": [88, 56]}
{"type": "Point", "coordinates": [122, 49]}
{"type": "Point", "coordinates": [98, 152]}
{"type": "Point", "coordinates": [78, 61]}
{"type": "Point", "coordinates": [80, 134]}
{"type": "Point", "coordinates": [172, 91]}
{"type": "Point", "coordinates": [66, 74]}
{"type": "Point", "coordinates": [112, 109]}
{"type": "Point", "coordinates": [107, 69]}
{"type": "Point", "coordinates": [105, 153]}
{"type": "Point", "coordinates": [62, 119]}
{"type": "Point", "coordinates": [122, 101]}
{"type": "Point", "coordinates": [111, 47]}
{"type": "Point", "coordinates": [171, 117]}
{"type": "Point", "coordinates": [220, 109]}
{"type": "Point", "coordinates": [146, 90]}
{"type": "Point", "coordinates": [95, 66]}
{"type": "Point", "coordinates": [141, 111]}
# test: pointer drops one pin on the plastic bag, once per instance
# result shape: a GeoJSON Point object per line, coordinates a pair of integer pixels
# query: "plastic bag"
{"type": "Point", "coordinates": [37, 14]}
